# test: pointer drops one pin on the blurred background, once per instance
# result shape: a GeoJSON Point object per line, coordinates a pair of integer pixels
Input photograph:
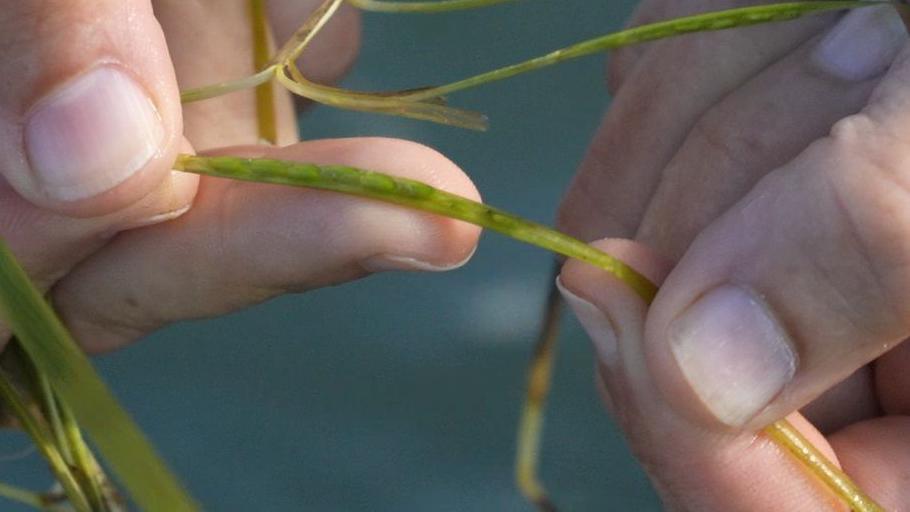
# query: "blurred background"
{"type": "Point", "coordinates": [401, 392]}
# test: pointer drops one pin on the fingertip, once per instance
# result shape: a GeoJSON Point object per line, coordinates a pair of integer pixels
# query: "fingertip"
{"type": "Point", "coordinates": [592, 282]}
{"type": "Point", "coordinates": [95, 128]}
{"type": "Point", "coordinates": [610, 310]}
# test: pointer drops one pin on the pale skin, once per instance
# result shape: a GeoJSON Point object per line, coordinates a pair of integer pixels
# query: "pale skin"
{"type": "Point", "coordinates": [100, 272]}
{"type": "Point", "coordinates": [777, 173]}
{"type": "Point", "coordinates": [114, 278]}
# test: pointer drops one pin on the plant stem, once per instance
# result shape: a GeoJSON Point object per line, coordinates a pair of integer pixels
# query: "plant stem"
{"type": "Point", "coordinates": [220, 89]}
{"type": "Point", "coordinates": [713, 21]}
{"type": "Point", "coordinates": [92, 476]}
{"type": "Point", "coordinates": [388, 104]}
{"type": "Point", "coordinates": [303, 35]}
{"type": "Point", "coordinates": [43, 439]}
{"type": "Point", "coordinates": [265, 92]}
{"type": "Point", "coordinates": [789, 438]}
{"type": "Point", "coordinates": [539, 380]}
{"type": "Point", "coordinates": [52, 414]}
{"type": "Point", "coordinates": [55, 354]}
{"type": "Point", "coordinates": [413, 194]}
{"type": "Point", "coordinates": [23, 496]}
{"type": "Point", "coordinates": [423, 7]}
{"type": "Point", "coordinates": [420, 196]}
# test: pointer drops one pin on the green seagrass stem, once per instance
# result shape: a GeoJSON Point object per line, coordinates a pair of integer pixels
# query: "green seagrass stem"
{"type": "Point", "coordinates": [24, 496]}
{"type": "Point", "coordinates": [423, 7]}
{"type": "Point", "coordinates": [427, 103]}
{"type": "Point", "coordinates": [420, 196]}
{"type": "Point", "coordinates": [56, 356]}
{"type": "Point", "coordinates": [537, 390]}
{"type": "Point", "coordinates": [713, 21]}
{"type": "Point", "coordinates": [43, 439]}
{"type": "Point", "coordinates": [413, 194]}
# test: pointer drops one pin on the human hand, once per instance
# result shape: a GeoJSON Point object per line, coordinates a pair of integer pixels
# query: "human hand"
{"type": "Point", "coordinates": [91, 122]}
{"type": "Point", "coordinates": [790, 243]}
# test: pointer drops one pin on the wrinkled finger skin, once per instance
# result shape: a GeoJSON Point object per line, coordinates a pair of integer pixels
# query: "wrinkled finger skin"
{"type": "Point", "coordinates": [773, 198]}
{"type": "Point", "coordinates": [92, 120]}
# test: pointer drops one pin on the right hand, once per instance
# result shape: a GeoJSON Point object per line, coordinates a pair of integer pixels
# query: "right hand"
{"type": "Point", "coordinates": [783, 246]}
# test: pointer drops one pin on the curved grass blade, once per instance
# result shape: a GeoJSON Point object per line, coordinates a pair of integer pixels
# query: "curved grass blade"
{"type": "Point", "coordinates": [537, 390]}
{"type": "Point", "coordinates": [420, 196]}
{"type": "Point", "coordinates": [214, 90]}
{"type": "Point", "coordinates": [388, 104]}
{"type": "Point", "coordinates": [23, 496]}
{"type": "Point", "coordinates": [413, 194]}
{"type": "Point", "coordinates": [423, 7]}
{"type": "Point", "coordinates": [413, 103]}
{"type": "Point", "coordinates": [55, 354]}
{"type": "Point", "coordinates": [44, 440]}
{"type": "Point", "coordinates": [291, 49]}
{"type": "Point", "coordinates": [713, 21]}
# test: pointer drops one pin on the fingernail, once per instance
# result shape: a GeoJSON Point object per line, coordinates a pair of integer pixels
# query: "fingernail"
{"type": "Point", "coordinates": [733, 352]}
{"type": "Point", "coordinates": [596, 324]}
{"type": "Point", "coordinates": [91, 135]}
{"type": "Point", "coordinates": [863, 44]}
{"type": "Point", "coordinates": [157, 218]}
{"type": "Point", "coordinates": [391, 262]}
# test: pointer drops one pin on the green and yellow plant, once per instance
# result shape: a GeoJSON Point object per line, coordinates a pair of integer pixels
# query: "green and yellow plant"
{"type": "Point", "coordinates": [53, 392]}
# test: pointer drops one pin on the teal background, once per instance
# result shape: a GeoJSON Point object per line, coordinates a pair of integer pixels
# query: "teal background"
{"type": "Point", "coordinates": [401, 392]}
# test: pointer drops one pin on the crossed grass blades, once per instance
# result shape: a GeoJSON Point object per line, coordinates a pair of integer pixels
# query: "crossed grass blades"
{"type": "Point", "coordinates": [50, 388]}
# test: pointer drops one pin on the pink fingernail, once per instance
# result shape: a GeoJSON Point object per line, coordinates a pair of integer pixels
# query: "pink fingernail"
{"type": "Point", "coordinates": [596, 324]}
{"type": "Point", "coordinates": [733, 352]}
{"type": "Point", "coordinates": [863, 44]}
{"type": "Point", "coordinates": [91, 135]}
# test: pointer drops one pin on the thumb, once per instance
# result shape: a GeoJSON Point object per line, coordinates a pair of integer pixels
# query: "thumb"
{"type": "Point", "coordinates": [89, 106]}
{"type": "Point", "coordinates": [801, 283]}
{"type": "Point", "coordinates": [693, 468]}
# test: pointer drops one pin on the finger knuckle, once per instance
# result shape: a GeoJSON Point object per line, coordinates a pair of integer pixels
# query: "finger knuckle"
{"type": "Point", "coordinates": [868, 173]}
{"type": "Point", "coordinates": [735, 145]}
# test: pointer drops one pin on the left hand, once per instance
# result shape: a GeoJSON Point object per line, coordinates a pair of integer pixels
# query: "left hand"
{"type": "Point", "coordinates": [113, 268]}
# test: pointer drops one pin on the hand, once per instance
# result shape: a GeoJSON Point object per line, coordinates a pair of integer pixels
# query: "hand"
{"type": "Point", "coordinates": [91, 122]}
{"type": "Point", "coordinates": [763, 173]}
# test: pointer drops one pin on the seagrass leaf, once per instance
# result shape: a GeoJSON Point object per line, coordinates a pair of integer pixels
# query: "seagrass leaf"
{"type": "Point", "coordinates": [55, 354]}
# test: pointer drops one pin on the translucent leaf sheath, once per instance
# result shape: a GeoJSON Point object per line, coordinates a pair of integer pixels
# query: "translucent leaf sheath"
{"type": "Point", "coordinates": [413, 194]}
{"type": "Point", "coordinates": [56, 355]}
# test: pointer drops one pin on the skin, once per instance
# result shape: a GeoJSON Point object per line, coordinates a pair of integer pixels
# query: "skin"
{"type": "Point", "coordinates": [769, 173]}
{"type": "Point", "coordinates": [114, 268]}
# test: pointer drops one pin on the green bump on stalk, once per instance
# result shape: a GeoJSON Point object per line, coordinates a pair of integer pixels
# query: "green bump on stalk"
{"type": "Point", "coordinates": [417, 195]}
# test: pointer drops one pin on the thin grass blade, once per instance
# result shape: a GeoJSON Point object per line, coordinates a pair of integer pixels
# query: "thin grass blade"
{"type": "Point", "coordinates": [55, 354]}
{"type": "Point", "coordinates": [413, 194]}
{"type": "Point", "coordinates": [712, 21]}
{"type": "Point", "coordinates": [420, 196]}
{"type": "Point", "coordinates": [431, 109]}
{"type": "Point", "coordinates": [423, 7]}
